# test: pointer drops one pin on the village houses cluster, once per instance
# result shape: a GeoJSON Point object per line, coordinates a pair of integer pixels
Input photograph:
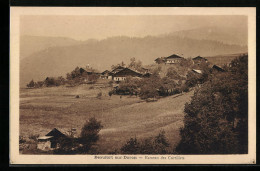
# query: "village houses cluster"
{"type": "Point", "coordinates": [119, 73]}
{"type": "Point", "coordinates": [51, 140]}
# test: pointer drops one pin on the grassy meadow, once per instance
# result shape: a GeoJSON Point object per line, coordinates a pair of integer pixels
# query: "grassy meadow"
{"type": "Point", "coordinates": [43, 109]}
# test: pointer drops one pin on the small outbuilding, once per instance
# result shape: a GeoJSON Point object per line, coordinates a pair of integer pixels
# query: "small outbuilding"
{"type": "Point", "coordinates": [198, 60]}
{"type": "Point", "coordinates": [106, 75]}
{"type": "Point", "coordinates": [197, 71]}
{"type": "Point", "coordinates": [51, 140]}
{"type": "Point", "coordinates": [218, 68]}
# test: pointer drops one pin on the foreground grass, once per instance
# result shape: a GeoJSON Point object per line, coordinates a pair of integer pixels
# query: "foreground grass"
{"type": "Point", "coordinates": [44, 109]}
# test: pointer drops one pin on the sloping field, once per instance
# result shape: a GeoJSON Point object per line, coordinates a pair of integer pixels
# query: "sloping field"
{"type": "Point", "coordinates": [44, 109]}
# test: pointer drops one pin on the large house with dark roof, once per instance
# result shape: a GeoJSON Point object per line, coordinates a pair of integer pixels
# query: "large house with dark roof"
{"type": "Point", "coordinates": [126, 72]}
{"type": "Point", "coordinates": [172, 59]}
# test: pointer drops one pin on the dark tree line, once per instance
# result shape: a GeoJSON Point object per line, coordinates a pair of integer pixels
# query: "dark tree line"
{"type": "Point", "coordinates": [216, 120]}
{"type": "Point", "coordinates": [75, 77]}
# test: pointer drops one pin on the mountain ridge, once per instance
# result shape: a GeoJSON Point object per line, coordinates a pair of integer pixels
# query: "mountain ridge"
{"type": "Point", "coordinates": [101, 54]}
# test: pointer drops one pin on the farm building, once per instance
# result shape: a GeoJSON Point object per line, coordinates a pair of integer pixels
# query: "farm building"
{"type": "Point", "coordinates": [126, 72]}
{"type": "Point", "coordinates": [198, 60]}
{"type": "Point", "coordinates": [217, 68]}
{"type": "Point", "coordinates": [87, 72]}
{"type": "Point", "coordinates": [106, 75]}
{"type": "Point", "coordinates": [50, 140]}
{"type": "Point", "coordinates": [173, 59]}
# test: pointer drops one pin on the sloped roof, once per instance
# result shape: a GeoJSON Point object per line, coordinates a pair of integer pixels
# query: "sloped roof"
{"type": "Point", "coordinates": [81, 70]}
{"type": "Point", "coordinates": [55, 133]}
{"type": "Point", "coordinates": [127, 72]}
{"type": "Point", "coordinates": [173, 56]}
{"type": "Point", "coordinates": [197, 71]}
{"type": "Point", "coordinates": [44, 137]}
{"type": "Point", "coordinates": [216, 67]}
{"type": "Point", "coordinates": [199, 58]}
{"type": "Point", "coordinates": [117, 69]}
{"type": "Point", "coordinates": [105, 72]}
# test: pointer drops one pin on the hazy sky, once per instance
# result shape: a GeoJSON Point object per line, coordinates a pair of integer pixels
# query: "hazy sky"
{"type": "Point", "coordinates": [100, 27]}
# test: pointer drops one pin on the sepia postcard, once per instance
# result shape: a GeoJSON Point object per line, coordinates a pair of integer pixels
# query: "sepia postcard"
{"type": "Point", "coordinates": [132, 85]}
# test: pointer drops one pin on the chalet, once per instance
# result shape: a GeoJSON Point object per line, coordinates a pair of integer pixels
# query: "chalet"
{"type": "Point", "coordinates": [106, 75]}
{"type": "Point", "coordinates": [198, 60]}
{"type": "Point", "coordinates": [50, 140]}
{"type": "Point", "coordinates": [126, 72]}
{"type": "Point", "coordinates": [173, 59]}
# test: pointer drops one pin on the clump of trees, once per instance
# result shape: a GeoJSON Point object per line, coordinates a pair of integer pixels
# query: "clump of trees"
{"type": "Point", "coordinates": [81, 75]}
{"type": "Point", "coordinates": [134, 64]}
{"type": "Point", "coordinates": [150, 86]}
{"type": "Point", "coordinates": [75, 77]}
{"type": "Point", "coordinates": [216, 120]}
{"type": "Point", "coordinates": [130, 86]}
{"type": "Point", "coordinates": [50, 81]}
{"type": "Point", "coordinates": [34, 84]}
{"type": "Point", "coordinates": [153, 86]}
{"type": "Point", "coordinates": [153, 145]}
{"type": "Point", "coordinates": [122, 64]}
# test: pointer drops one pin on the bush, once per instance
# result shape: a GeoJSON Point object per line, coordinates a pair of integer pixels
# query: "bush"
{"type": "Point", "coordinates": [148, 91]}
{"type": "Point", "coordinates": [150, 87]}
{"type": "Point", "coordinates": [131, 147]}
{"type": "Point", "coordinates": [31, 84]}
{"type": "Point", "coordinates": [21, 140]}
{"type": "Point", "coordinates": [110, 83]}
{"type": "Point", "coordinates": [110, 93]}
{"type": "Point", "coordinates": [89, 134]}
{"type": "Point", "coordinates": [184, 88]}
{"type": "Point", "coordinates": [92, 78]}
{"type": "Point", "coordinates": [99, 95]}
{"type": "Point", "coordinates": [153, 145]}
{"type": "Point", "coordinates": [173, 74]}
{"type": "Point", "coordinates": [128, 87]}
{"type": "Point", "coordinates": [33, 137]}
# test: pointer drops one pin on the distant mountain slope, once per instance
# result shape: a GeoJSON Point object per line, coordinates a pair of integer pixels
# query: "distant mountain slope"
{"type": "Point", "coordinates": [32, 44]}
{"type": "Point", "coordinates": [227, 35]}
{"type": "Point", "coordinates": [102, 54]}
